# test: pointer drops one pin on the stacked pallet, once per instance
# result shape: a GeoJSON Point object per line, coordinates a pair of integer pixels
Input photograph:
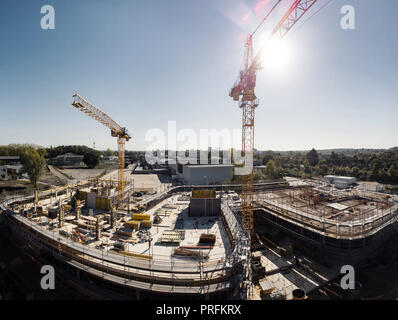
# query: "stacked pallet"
{"type": "Point", "coordinates": [140, 219]}
{"type": "Point", "coordinates": [133, 224]}
{"type": "Point", "coordinates": [172, 236]}
{"type": "Point", "coordinates": [190, 253]}
{"type": "Point", "coordinates": [162, 212]}
{"type": "Point", "coordinates": [137, 223]}
{"type": "Point", "coordinates": [125, 232]}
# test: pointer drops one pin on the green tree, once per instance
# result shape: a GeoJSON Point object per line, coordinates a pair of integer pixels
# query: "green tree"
{"type": "Point", "coordinates": [267, 157]}
{"type": "Point", "coordinates": [270, 169]}
{"type": "Point", "coordinates": [307, 167]}
{"type": "Point", "coordinates": [133, 158]}
{"type": "Point", "coordinates": [91, 159]}
{"type": "Point", "coordinates": [109, 152]}
{"type": "Point", "coordinates": [279, 172]}
{"type": "Point", "coordinates": [33, 163]}
{"type": "Point", "coordinates": [312, 157]}
{"type": "Point", "coordinates": [323, 169]}
{"type": "Point", "coordinates": [355, 172]}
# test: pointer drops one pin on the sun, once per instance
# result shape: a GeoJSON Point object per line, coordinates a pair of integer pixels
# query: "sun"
{"type": "Point", "coordinates": [275, 56]}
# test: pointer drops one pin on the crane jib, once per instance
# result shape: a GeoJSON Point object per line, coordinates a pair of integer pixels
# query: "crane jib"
{"type": "Point", "coordinates": [116, 131]}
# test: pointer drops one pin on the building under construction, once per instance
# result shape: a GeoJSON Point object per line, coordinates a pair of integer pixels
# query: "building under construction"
{"type": "Point", "coordinates": [187, 242]}
{"type": "Point", "coordinates": [335, 226]}
{"type": "Point", "coordinates": [161, 251]}
{"type": "Point", "coordinates": [193, 243]}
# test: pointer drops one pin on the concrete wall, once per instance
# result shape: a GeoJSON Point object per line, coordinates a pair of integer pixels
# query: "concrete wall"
{"type": "Point", "coordinates": [91, 200]}
{"type": "Point", "coordinates": [207, 174]}
{"type": "Point", "coordinates": [204, 207]}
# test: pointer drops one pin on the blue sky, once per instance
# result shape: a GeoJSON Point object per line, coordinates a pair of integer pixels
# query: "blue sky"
{"type": "Point", "coordinates": [149, 62]}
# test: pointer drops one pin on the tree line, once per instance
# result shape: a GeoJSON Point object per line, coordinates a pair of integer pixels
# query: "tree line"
{"type": "Point", "coordinates": [380, 166]}
{"type": "Point", "coordinates": [32, 158]}
{"type": "Point", "coordinates": [91, 157]}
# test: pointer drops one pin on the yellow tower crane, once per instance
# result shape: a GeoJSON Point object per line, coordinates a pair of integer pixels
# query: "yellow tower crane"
{"type": "Point", "coordinates": [116, 131]}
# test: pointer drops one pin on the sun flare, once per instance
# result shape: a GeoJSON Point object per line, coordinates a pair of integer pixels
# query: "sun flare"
{"type": "Point", "coordinates": [276, 55]}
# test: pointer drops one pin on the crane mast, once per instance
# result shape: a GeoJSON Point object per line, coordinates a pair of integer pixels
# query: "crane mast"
{"type": "Point", "coordinates": [116, 131]}
{"type": "Point", "coordinates": [244, 92]}
{"type": "Point", "coordinates": [248, 103]}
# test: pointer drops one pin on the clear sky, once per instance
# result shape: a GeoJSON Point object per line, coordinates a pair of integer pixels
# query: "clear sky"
{"type": "Point", "coordinates": [149, 62]}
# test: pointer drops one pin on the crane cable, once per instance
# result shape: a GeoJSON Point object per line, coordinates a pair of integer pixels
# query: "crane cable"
{"type": "Point", "coordinates": [258, 27]}
{"type": "Point", "coordinates": [313, 15]}
{"type": "Point", "coordinates": [266, 17]}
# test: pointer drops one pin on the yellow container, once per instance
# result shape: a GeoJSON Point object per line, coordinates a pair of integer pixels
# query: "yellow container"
{"type": "Point", "coordinates": [203, 194]}
{"type": "Point", "coordinates": [133, 224]}
{"type": "Point", "coordinates": [146, 223]}
{"type": "Point", "coordinates": [140, 216]}
{"type": "Point", "coordinates": [107, 205]}
{"type": "Point", "coordinates": [103, 203]}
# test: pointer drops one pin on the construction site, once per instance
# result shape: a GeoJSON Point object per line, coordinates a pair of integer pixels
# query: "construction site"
{"type": "Point", "coordinates": [168, 249]}
{"type": "Point", "coordinates": [191, 243]}
{"type": "Point", "coordinates": [345, 223]}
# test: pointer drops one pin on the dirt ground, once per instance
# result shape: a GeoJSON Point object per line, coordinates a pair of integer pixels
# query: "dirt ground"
{"type": "Point", "coordinates": [146, 181]}
{"type": "Point", "coordinates": [50, 179]}
{"type": "Point", "coordinates": [82, 174]}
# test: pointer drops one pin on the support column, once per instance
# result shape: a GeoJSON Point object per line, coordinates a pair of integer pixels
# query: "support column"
{"type": "Point", "coordinates": [112, 217]}
{"type": "Point", "coordinates": [98, 229]}
{"type": "Point", "coordinates": [77, 209]}
{"type": "Point", "coordinates": [60, 216]}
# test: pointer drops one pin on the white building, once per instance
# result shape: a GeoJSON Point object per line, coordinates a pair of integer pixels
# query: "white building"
{"type": "Point", "coordinates": [68, 159]}
{"type": "Point", "coordinates": [109, 159]}
{"type": "Point", "coordinates": [207, 174]}
{"type": "Point", "coordinates": [340, 182]}
{"type": "Point", "coordinates": [202, 174]}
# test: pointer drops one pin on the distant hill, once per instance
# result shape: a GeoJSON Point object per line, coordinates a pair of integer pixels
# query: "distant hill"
{"type": "Point", "coordinates": [345, 151]}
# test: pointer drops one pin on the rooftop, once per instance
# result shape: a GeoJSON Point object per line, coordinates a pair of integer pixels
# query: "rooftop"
{"type": "Point", "coordinates": [210, 165]}
{"type": "Point", "coordinates": [69, 155]}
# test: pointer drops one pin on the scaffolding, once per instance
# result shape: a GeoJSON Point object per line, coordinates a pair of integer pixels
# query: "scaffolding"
{"type": "Point", "coordinates": [160, 273]}
{"type": "Point", "coordinates": [364, 213]}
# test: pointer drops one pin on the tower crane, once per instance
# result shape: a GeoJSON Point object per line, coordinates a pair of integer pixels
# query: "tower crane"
{"type": "Point", "coordinates": [243, 91]}
{"type": "Point", "coordinates": [116, 131]}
